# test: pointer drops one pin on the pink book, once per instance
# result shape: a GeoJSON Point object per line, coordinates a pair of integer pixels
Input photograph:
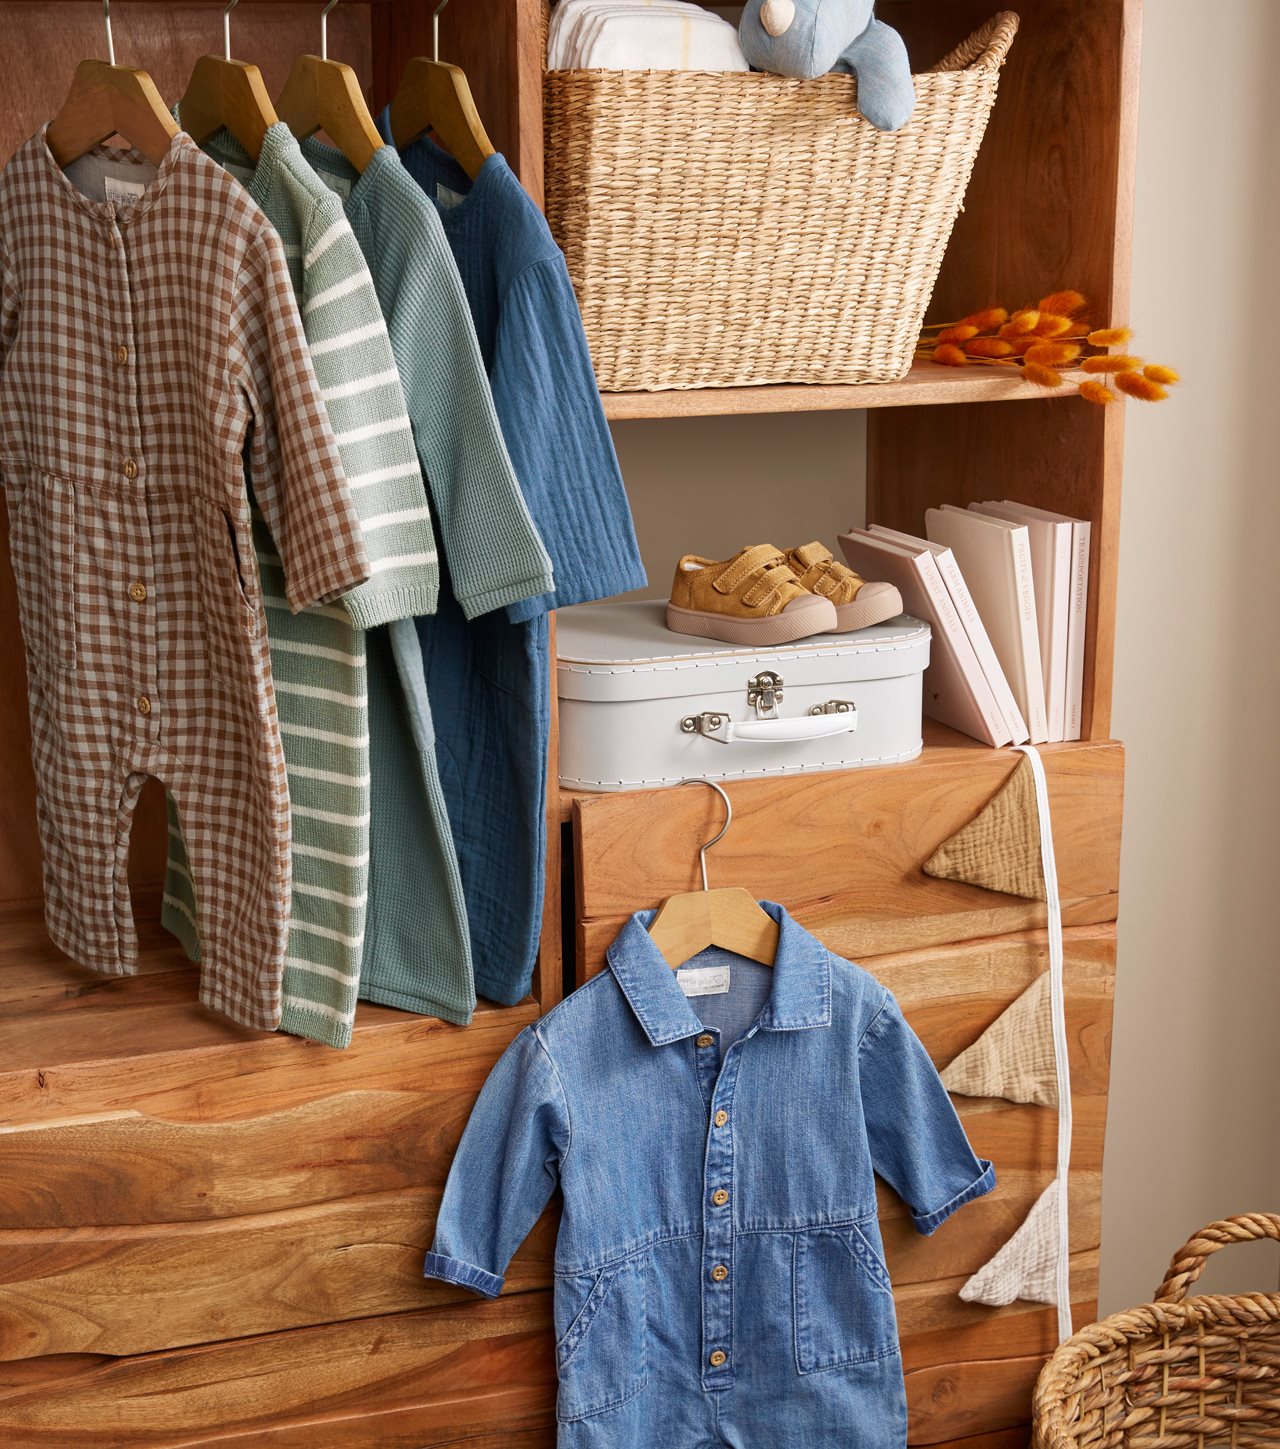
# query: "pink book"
{"type": "Point", "coordinates": [956, 691]}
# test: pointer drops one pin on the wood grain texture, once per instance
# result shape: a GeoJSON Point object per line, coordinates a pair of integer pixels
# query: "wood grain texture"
{"type": "Point", "coordinates": [76, 1044]}
{"type": "Point", "coordinates": [129, 1290]}
{"type": "Point", "coordinates": [850, 869]}
{"type": "Point", "coordinates": [433, 1377]}
{"type": "Point", "coordinates": [926, 384]}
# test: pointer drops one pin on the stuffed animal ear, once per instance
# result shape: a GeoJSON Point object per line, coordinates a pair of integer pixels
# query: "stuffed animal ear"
{"type": "Point", "coordinates": [886, 93]}
{"type": "Point", "coordinates": [777, 15]}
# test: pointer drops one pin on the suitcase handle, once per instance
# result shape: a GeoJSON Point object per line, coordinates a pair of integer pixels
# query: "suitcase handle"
{"type": "Point", "coordinates": [836, 717]}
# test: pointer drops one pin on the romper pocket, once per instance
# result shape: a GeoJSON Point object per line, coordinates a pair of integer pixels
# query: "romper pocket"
{"type": "Point", "coordinates": [229, 590]}
{"type": "Point", "coordinates": [842, 1300]}
{"type": "Point", "coordinates": [42, 544]}
{"type": "Point", "coordinates": [601, 1331]}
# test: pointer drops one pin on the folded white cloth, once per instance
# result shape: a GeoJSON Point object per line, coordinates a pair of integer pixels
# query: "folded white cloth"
{"type": "Point", "coordinates": [640, 35]}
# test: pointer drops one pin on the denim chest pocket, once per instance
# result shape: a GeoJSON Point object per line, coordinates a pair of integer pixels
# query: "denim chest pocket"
{"type": "Point", "coordinates": [42, 546]}
{"type": "Point", "coordinates": [842, 1299]}
{"type": "Point", "coordinates": [601, 1349]}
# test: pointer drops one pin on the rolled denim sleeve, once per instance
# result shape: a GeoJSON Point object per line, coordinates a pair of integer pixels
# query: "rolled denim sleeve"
{"type": "Point", "coordinates": [917, 1143]}
{"type": "Point", "coordinates": [505, 1170]}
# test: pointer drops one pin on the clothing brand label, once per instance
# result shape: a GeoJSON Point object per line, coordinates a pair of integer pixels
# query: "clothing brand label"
{"type": "Point", "coordinates": [340, 184]}
{"type": "Point", "coordinates": [703, 980]}
{"type": "Point", "coordinates": [118, 190]}
{"type": "Point", "coordinates": [446, 196]}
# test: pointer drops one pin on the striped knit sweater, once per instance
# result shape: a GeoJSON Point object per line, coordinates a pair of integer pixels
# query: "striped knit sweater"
{"type": "Point", "coordinates": [319, 657]}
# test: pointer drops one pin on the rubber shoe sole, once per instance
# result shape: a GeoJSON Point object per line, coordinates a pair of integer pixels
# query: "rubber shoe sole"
{"type": "Point", "coordinates": [874, 603]}
{"type": "Point", "coordinates": [800, 619]}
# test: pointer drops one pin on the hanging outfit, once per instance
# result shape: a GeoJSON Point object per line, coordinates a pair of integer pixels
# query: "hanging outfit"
{"type": "Point", "coordinates": [719, 1273]}
{"type": "Point", "coordinates": [150, 344]}
{"type": "Point", "coordinates": [493, 745]}
{"type": "Point", "coordinates": [319, 659]}
{"type": "Point", "coordinates": [418, 954]}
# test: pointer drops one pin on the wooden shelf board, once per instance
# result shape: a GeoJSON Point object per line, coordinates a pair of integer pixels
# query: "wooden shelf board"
{"type": "Point", "coordinates": [54, 1013]}
{"type": "Point", "coordinates": [939, 743]}
{"type": "Point", "coordinates": [925, 384]}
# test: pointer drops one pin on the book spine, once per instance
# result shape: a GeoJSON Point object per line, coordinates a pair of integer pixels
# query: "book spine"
{"type": "Point", "coordinates": [949, 623]}
{"type": "Point", "coordinates": [1080, 537]}
{"type": "Point", "coordinates": [953, 577]}
{"type": "Point", "coordinates": [1025, 603]}
{"type": "Point", "coordinates": [1058, 633]}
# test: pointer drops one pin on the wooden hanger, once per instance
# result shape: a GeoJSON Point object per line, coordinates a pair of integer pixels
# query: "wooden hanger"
{"type": "Point", "coordinates": [225, 92]}
{"type": "Point", "coordinates": [105, 100]}
{"type": "Point", "coordinates": [730, 917]}
{"type": "Point", "coordinates": [324, 94]}
{"type": "Point", "coordinates": [435, 96]}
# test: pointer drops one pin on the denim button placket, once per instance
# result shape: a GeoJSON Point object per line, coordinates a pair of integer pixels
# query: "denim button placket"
{"type": "Point", "coordinates": [718, 1235]}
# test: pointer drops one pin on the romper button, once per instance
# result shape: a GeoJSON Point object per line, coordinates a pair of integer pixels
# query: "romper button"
{"type": "Point", "coordinates": [144, 704]}
{"type": "Point", "coordinates": [721, 1117]}
{"type": "Point", "coordinates": [138, 592]}
{"type": "Point", "coordinates": [130, 468]}
{"type": "Point", "coordinates": [122, 353]}
{"type": "Point", "coordinates": [706, 1039]}
{"type": "Point", "coordinates": [718, 1358]}
{"type": "Point", "coordinates": [719, 1272]}
{"type": "Point", "coordinates": [719, 1197]}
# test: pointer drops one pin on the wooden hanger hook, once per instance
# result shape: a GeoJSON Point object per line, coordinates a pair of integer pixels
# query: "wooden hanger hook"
{"type": "Point", "coordinates": [728, 815]}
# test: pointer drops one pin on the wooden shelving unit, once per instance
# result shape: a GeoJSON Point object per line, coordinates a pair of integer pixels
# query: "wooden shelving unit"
{"type": "Point", "coordinates": [208, 1233]}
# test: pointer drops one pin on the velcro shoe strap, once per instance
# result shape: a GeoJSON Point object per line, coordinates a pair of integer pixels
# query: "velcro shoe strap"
{"type": "Point", "coordinates": [812, 555]}
{"type": "Point", "coordinates": [770, 588]}
{"type": "Point", "coordinates": [747, 563]}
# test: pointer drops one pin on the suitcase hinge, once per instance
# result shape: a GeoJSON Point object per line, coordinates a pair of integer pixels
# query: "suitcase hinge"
{"type": "Point", "coordinates": [834, 706]}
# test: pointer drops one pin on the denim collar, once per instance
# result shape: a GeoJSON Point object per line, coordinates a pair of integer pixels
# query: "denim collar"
{"type": "Point", "coordinates": [800, 998]}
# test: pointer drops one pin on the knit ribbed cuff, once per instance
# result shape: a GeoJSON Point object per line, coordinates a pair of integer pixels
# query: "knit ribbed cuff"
{"type": "Point", "coordinates": [411, 1001]}
{"type": "Point", "coordinates": [486, 600]}
{"type": "Point", "coordinates": [176, 923]}
{"type": "Point", "coordinates": [368, 608]}
{"type": "Point", "coordinates": [927, 1223]}
{"type": "Point", "coordinates": [315, 1025]}
{"type": "Point", "coordinates": [465, 1275]}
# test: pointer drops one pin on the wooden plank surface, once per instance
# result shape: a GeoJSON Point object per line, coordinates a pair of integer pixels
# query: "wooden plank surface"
{"type": "Point", "coordinates": [849, 866]}
{"type": "Point", "coordinates": [925, 384]}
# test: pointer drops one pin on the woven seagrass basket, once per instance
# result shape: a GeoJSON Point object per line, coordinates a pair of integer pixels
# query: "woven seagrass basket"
{"type": "Point", "coordinates": [1200, 1372]}
{"type": "Point", "coordinates": [723, 229]}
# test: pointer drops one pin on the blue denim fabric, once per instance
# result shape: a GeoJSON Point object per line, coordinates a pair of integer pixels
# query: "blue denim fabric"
{"type": "Point", "coordinates": [616, 1096]}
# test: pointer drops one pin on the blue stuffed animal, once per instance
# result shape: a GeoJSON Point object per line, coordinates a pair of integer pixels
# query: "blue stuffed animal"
{"type": "Point", "coordinates": [807, 38]}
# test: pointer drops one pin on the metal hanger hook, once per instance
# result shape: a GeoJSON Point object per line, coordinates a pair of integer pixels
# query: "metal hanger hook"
{"type": "Point", "coordinates": [106, 21]}
{"type": "Point", "coordinates": [226, 28]}
{"type": "Point", "coordinates": [324, 29]}
{"type": "Point", "coordinates": [435, 30]}
{"type": "Point", "coordinates": [720, 834]}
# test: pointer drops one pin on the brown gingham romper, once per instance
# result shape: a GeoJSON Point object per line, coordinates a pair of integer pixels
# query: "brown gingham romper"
{"type": "Point", "coordinates": [150, 351]}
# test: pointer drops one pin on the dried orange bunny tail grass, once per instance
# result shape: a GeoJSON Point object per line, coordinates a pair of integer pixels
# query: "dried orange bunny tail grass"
{"type": "Point", "coordinates": [1142, 388]}
{"type": "Point", "coordinates": [1052, 325]}
{"type": "Point", "coordinates": [1111, 336]}
{"type": "Point", "coordinates": [989, 347]}
{"type": "Point", "coordinates": [987, 320]}
{"type": "Point", "coordinates": [961, 332]}
{"type": "Point", "coordinates": [1157, 373]}
{"type": "Point", "coordinates": [1042, 376]}
{"type": "Point", "coordinates": [1097, 392]}
{"type": "Point", "coordinates": [1066, 303]}
{"type": "Point", "coordinates": [1052, 354]}
{"type": "Point", "coordinates": [949, 355]}
{"type": "Point", "coordinates": [1021, 323]}
{"type": "Point", "coordinates": [1116, 362]}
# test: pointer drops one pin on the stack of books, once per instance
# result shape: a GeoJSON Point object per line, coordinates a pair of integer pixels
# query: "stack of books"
{"type": "Point", "coordinates": [1004, 586]}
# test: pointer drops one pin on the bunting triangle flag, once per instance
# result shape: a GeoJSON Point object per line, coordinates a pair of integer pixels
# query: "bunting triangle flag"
{"type": "Point", "coordinates": [1000, 848]}
{"type": "Point", "coordinates": [1026, 1267]}
{"type": "Point", "coordinates": [1013, 1058]}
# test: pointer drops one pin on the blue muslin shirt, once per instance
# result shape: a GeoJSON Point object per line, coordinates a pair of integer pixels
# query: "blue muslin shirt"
{"type": "Point", "coordinates": [720, 1280]}
{"type": "Point", "coordinates": [489, 679]}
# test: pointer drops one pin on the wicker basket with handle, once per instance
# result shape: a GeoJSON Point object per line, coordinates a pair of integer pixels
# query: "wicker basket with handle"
{"type": "Point", "coordinates": [723, 229]}
{"type": "Point", "coordinates": [1177, 1372]}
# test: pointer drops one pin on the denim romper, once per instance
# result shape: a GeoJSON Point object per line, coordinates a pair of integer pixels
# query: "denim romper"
{"type": "Point", "coordinates": [719, 1274]}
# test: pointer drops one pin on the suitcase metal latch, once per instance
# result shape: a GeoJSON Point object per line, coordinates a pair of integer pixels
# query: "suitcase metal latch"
{"type": "Point", "coordinates": [765, 692]}
{"type": "Point", "coordinates": [834, 706]}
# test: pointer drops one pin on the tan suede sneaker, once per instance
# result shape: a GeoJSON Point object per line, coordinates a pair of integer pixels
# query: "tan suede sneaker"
{"type": "Point", "coordinates": [752, 598]}
{"type": "Point", "coordinates": [858, 605]}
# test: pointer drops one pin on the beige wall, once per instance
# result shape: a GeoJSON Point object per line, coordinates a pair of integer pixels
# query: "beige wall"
{"type": "Point", "coordinates": [1195, 1111]}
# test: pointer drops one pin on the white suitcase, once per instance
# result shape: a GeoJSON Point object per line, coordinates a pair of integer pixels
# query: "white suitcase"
{"type": "Point", "coordinates": [641, 706]}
